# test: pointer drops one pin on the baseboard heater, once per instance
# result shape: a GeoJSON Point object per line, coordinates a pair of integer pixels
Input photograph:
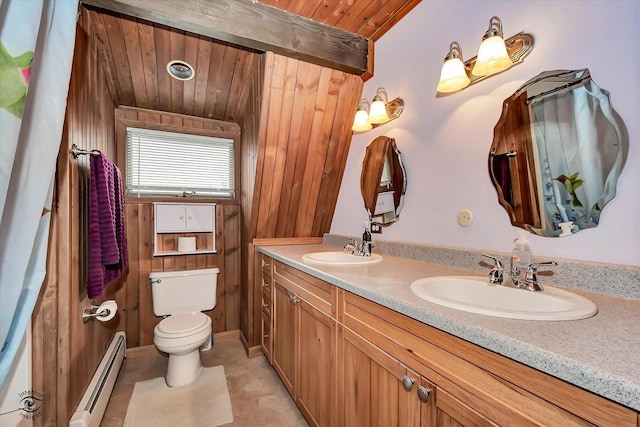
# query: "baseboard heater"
{"type": "Point", "coordinates": [91, 408]}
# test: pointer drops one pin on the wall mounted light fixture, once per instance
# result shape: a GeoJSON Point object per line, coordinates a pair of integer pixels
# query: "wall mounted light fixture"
{"type": "Point", "coordinates": [494, 56]}
{"type": "Point", "coordinates": [379, 112]}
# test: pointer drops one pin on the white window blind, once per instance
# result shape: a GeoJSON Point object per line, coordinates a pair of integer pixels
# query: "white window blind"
{"type": "Point", "coordinates": [168, 163]}
{"type": "Point", "coordinates": [385, 180]}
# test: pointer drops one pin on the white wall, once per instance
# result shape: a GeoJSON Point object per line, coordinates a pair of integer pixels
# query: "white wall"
{"type": "Point", "coordinates": [445, 141]}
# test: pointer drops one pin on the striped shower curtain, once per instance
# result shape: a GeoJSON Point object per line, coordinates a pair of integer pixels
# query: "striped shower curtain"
{"type": "Point", "coordinates": [36, 51]}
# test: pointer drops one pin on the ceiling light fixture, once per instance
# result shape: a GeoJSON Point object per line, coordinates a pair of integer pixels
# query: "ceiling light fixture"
{"type": "Point", "coordinates": [494, 56]}
{"type": "Point", "coordinates": [180, 70]}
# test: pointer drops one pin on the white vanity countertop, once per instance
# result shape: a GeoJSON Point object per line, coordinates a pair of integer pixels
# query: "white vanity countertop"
{"type": "Point", "coordinates": [600, 354]}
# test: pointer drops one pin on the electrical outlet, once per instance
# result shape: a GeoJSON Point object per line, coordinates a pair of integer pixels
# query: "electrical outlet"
{"type": "Point", "coordinates": [465, 217]}
{"type": "Point", "coordinates": [376, 228]}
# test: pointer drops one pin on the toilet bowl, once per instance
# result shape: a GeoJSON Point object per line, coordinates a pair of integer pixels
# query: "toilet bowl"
{"type": "Point", "coordinates": [180, 336]}
{"type": "Point", "coordinates": [180, 297]}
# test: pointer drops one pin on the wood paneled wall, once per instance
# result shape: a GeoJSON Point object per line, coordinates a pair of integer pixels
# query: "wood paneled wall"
{"type": "Point", "coordinates": [67, 351]}
{"type": "Point", "coordinates": [250, 126]}
{"type": "Point", "coordinates": [300, 149]}
{"type": "Point", "coordinates": [134, 298]}
{"type": "Point", "coordinates": [304, 139]}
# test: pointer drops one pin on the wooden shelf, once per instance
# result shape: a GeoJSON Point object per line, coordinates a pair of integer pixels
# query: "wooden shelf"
{"type": "Point", "coordinates": [198, 252]}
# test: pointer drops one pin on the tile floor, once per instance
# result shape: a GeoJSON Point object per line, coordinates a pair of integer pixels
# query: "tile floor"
{"type": "Point", "coordinates": [258, 398]}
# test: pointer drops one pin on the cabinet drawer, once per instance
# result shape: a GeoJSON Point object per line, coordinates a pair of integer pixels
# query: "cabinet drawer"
{"type": "Point", "coordinates": [267, 264]}
{"type": "Point", "coordinates": [316, 292]}
{"type": "Point", "coordinates": [266, 302]}
{"type": "Point", "coordinates": [266, 282]}
{"type": "Point", "coordinates": [266, 343]}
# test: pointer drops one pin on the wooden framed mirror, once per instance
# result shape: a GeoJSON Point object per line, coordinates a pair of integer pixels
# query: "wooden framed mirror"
{"type": "Point", "coordinates": [383, 181]}
{"type": "Point", "coordinates": [557, 152]}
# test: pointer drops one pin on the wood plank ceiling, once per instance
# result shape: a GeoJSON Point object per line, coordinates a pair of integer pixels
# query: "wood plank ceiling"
{"type": "Point", "coordinates": [136, 53]}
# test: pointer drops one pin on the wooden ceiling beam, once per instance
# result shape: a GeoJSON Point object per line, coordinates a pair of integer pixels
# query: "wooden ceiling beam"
{"type": "Point", "coordinates": [251, 24]}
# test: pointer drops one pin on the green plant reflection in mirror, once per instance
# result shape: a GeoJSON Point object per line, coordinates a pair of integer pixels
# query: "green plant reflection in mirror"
{"type": "Point", "coordinates": [557, 152]}
{"type": "Point", "coordinates": [383, 181]}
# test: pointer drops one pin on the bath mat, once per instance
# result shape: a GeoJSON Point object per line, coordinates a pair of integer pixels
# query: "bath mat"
{"type": "Point", "coordinates": [205, 402]}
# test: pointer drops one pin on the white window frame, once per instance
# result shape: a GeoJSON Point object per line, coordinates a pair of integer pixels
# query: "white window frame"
{"type": "Point", "coordinates": [179, 164]}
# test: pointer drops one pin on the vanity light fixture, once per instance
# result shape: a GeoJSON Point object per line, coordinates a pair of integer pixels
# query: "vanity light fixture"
{"type": "Point", "coordinates": [380, 112]}
{"type": "Point", "coordinates": [453, 76]}
{"type": "Point", "coordinates": [361, 121]}
{"type": "Point", "coordinates": [494, 56]}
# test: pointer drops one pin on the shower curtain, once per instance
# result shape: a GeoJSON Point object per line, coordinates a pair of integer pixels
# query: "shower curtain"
{"type": "Point", "coordinates": [577, 139]}
{"type": "Point", "coordinates": [36, 51]}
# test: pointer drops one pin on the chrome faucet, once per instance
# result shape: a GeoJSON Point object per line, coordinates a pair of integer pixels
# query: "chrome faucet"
{"type": "Point", "coordinates": [356, 248]}
{"type": "Point", "coordinates": [353, 247]}
{"type": "Point", "coordinates": [522, 280]}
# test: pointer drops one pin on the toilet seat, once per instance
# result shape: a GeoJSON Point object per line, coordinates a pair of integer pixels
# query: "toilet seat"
{"type": "Point", "coordinates": [182, 325]}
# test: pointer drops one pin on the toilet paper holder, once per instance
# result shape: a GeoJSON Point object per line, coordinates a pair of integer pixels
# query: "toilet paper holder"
{"type": "Point", "coordinates": [92, 312]}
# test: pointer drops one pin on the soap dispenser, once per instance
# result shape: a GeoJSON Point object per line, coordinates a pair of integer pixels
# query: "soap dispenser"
{"type": "Point", "coordinates": [366, 239]}
{"type": "Point", "coordinates": [521, 256]}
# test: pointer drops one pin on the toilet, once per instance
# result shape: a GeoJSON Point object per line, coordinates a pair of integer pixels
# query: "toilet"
{"type": "Point", "coordinates": [180, 297]}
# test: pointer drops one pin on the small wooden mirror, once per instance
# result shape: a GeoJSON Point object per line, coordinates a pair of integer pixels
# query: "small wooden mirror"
{"type": "Point", "coordinates": [383, 181]}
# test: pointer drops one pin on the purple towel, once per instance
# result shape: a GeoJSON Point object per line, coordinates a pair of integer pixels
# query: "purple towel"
{"type": "Point", "coordinates": [107, 255]}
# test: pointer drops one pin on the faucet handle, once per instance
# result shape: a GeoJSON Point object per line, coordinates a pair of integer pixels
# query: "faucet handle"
{"type": "Point", "coordinates": [496, 261]}
{"type": "Point", "coordinates": [497, 272]}
{"type": "Point", "coordinates": [531, 275]}
{"type": "Point", "coordinates": [532, 269]}
{"type": "Point", "coordinates": [354, 245]}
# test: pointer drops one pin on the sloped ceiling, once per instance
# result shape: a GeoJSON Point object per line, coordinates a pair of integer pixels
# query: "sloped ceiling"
{"type": "Point", "coordinates": [135, 52]}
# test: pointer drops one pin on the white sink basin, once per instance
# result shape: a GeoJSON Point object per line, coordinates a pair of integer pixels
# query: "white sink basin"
{"type": "Point", "coordinates": [340, 258]}
{"type": "Point", "coordinates": [477, 295]}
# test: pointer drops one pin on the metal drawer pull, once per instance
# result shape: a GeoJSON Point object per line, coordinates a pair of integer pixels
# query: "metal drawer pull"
{"type": "Point", "coordinates": [266, 335]}
{"type": "Point", "coordinates": [423, 393]}
{"type": "Point", "coordinates": [294, 299]}
{"type": "Point", "coordinates": [266, 264]}
{"type": "Point", "coordinates": [265, 305]}
{"type": "Point", "coordinates": [407, 383]}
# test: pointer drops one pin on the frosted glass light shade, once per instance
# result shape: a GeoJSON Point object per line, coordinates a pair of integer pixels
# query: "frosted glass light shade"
{"type": "Point", "coordinates": [360, 123]}
{"type": "Point", "coordinates": [453, 76]}
{"type": "Point", "coordinates": [378, 112]}
{"type": "Point", "coordinates": [492, 57]}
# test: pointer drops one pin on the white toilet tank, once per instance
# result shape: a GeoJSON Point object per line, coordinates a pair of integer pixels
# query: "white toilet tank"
{"type": "Point", "coordinates": [187, 291]}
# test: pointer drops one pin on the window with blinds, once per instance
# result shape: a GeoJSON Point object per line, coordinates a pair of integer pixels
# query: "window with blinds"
{"type": "Point", "coordinates": [386, 179]}
{"type": "Point", "coordinates": [174, 164]}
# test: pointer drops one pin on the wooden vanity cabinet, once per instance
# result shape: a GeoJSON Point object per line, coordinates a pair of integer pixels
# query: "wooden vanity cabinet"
{"type": "Point", "coordinates": [474, 386]}
{"type": "Point", "coordinates": [350, 362]}
{"type": "Point", "coordinates": [304, 342]}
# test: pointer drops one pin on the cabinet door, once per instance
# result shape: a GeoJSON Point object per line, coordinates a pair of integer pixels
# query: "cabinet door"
{"type": "Point", "coordinates": [170, 218]}
{"type": "Point", "coordinates": [444, 410]}
{"type": "Point", "coordinates": [199, 217]}
{"type": "Point", "coordinates": [284, 335]}
{"type": "Point", "coordinates": [378, 389]}
{"type": "Point", "coordinates": [316, 389]}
